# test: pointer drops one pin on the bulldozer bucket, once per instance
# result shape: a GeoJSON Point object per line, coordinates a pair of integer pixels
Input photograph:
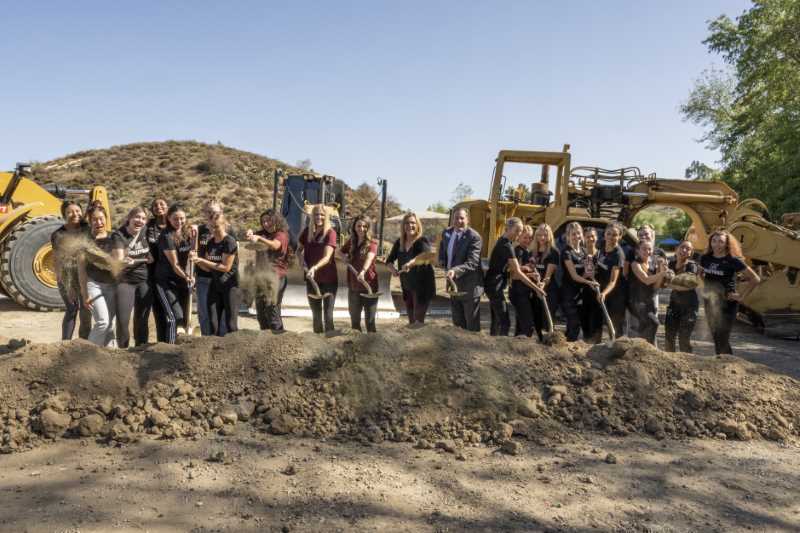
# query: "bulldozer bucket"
{"type": "Point", "coordinates": [295, 299]}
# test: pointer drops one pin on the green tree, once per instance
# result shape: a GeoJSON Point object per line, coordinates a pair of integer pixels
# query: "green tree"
{"type": "Point", "coordinates": [701, 172]}
{"type": "Point", "coordinates": [439, 207]}
{"type": "Point", "coordinates": [460, 193]}
{"type": "Point", "coordinates": [751, 110]}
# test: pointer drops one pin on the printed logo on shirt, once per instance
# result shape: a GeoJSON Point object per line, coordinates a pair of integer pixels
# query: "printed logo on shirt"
{"type": "Point", "coordinates": [713, 268]}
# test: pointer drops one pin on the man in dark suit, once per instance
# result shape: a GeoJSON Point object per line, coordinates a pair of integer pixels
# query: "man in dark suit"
{"type": "Point", "coordinates": [460, 256]}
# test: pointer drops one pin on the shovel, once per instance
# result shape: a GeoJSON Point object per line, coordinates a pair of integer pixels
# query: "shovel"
{"type": "Point", "coordinates": [611, 332]}
{"type": "Point", "coordinates": [316, 295]}
{"type": "Point", "coordinates": [189, 330]}
{"type": "Point", "coordinates": [452, 289]}
{"type": "Point", "coordinates": [369, 294]}
{"type": "Point", "coordinates": [548, 316]}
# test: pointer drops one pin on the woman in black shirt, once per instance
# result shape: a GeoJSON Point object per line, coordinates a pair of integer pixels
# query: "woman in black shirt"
{"type": "Point", "coordinates": [417, 281]}
{"type": "Point", "coordinates": [155, 226]}
{"type": "Point", "coordinates": [222, 261]}
{"type": "Point", "coordinates": [609, 272]}
{"type": "Point", "coordinates": [683, 305]}
{"type": "Point", "coordinates": [134, 292]}
{"type": "Point", "coordinates": [647, 275]}
{"type": "Point", "coordinates": [591, 314]}
{"type": "Point", "coordinates": [719, 267]}
{"type": "Point", "coordinates": [521, 296]}
{"type": "Point", "coordinates": [172, 282]}
{"type": "Point", "coordinates": [573, 257]}
{"type": "Point", "coordinates": [545, 259]}
{"type": "Point", "coordinates": [67, 271]}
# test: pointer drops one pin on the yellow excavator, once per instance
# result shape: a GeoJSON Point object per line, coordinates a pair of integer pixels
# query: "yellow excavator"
{"type": "Point", "coordinates": [595, 196]}
{"type": "Point", "coordinates": [29, 214]}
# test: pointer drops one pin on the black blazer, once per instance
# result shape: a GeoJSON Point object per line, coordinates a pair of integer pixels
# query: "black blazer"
{"type": "Point", "coordinates": [466, 261]}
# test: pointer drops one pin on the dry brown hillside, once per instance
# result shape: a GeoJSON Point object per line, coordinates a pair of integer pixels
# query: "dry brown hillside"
{"type": "Point", "coordinates": [189, 172]}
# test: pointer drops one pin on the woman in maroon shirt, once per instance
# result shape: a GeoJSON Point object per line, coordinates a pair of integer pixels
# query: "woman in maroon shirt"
{"type": "Point", "coordinates": [360, 251]}
{"type": "Point", "coordinates": [274, 235]}
{"type": "Point", "coordinates": [316, 244]}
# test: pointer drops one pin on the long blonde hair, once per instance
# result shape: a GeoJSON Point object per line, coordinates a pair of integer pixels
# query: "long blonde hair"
{"type": "Point", "coordinates": [526, 230]}
{"type": "Point", "coordinates": [408, 216]}
{"type": "Point", "coordinates": [326, 223]}
{"type": "Point", "coordinates": [551, 240]}
{"type": "Point", "coordinates": [573, 226]}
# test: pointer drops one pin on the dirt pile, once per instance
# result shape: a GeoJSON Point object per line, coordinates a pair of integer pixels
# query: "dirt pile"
{"type": "Point", "coordinates": [432, 387]}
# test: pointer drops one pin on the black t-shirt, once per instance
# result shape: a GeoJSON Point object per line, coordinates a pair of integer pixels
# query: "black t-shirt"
{"type": "Point", "coordinates": [95, 273]}
{"type": "Point", "coordinates": [721, 271]}
{"type": "Point", "coordinates": [638, 291]}
{"type": "Point", "coordinates": [152, 232]}
{"type": "Point", "coordinates": [203, 235]}
{"type": "Point", "coordinates": [631, 255]}
{"type": "Point", "coordinates": [605, 263]}
{"type": "Point", "coordinates": [214, 252]}
{"type": "Point", "coordinates": [135, 248]}
{"type": "Point", "coordinates": [497, 275]}
{"type": "Point", "coordinates": [577, 257]}
{"type": "Point", "coordinates": [166, 241]}
{"type": "Point", "coordinates": [541, 261]}
{"type": "Point", "coordinates": [524, 258]}
{"type": "Point", "coordinates": [420, 279]}
{"type": "Point", "coordinates": [683, 298]}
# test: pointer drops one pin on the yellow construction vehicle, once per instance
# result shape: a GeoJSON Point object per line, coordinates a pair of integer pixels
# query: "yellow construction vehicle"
{"type": "Point", "coordinates": [595, 196]}
{"type": "Point", "coordinates": [29, 214]}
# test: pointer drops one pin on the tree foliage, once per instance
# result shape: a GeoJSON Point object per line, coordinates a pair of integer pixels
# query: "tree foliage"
{"type": "Point", "coordinates": [460, 193]}
{"type": "Point", "coordinates": [751, 110]}
{"type": "Point", "coordinates": [439, 207]}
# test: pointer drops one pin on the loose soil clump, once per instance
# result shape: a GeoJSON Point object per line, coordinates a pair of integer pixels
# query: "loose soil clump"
{"type": "Point", "coordinates": [433, 387]}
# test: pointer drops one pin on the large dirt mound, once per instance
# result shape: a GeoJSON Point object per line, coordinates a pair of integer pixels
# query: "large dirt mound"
{"type": "Point", "coordinates": [433, 386]}
{"type": "Point", "coordinates": [185, 171]}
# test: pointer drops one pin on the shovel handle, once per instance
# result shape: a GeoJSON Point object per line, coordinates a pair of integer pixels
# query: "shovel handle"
{"type": "Point", "coordinates": [364, 283]}
{"type": "Point", "coordinates": [609, 324]}
{"type": "Point", "coordinates": [547, 314]}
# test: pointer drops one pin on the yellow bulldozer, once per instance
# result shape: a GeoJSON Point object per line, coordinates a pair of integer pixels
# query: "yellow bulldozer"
{"type": "Point", "coordinates": [29, 214]}
{"type": "Point", "coordinates": [595, 196]}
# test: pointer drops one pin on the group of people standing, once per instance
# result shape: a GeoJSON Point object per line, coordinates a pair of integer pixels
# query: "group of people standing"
{"type": "Point", "coordinates": [164, 258]}
{"type": "Point", "coordinates": [579, 277]}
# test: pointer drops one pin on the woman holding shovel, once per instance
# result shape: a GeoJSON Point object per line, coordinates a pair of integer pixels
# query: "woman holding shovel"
{"type": "Point", "coordinates": [98, 286]}
{"type": "Point", "coordinates": [274, 237]}
{"type": "Point", "coordinates": [573, 257]}
{"type": "Point", "coordinates": [362, 279]}
{"type": "Point", "coordinates": [172, 281]}
{"type": "Point", "coordinates": [545, 259]}
{"type": "Point", "coordinates": [720, 266]}
{"type": "Point", "coordinates": [609, 264]}
{"type": "Point", "coordinates": [221, 259]}
{"type": "Point", "coordinates": [316, 246]}
{"type": "Point", "coordinates": [134, 292]}
{"type": "Point", "coordinates": [414, 256]}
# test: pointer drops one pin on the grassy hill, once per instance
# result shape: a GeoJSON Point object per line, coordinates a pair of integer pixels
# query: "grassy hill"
{"type": "Point", "coordinates": [188, 172]}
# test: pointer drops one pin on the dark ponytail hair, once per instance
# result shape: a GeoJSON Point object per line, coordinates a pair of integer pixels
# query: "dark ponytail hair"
{"type": "Point", "coordinates": [360, 248]}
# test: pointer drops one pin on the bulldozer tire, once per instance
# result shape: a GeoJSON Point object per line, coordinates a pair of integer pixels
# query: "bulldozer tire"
{"type": "Point", "coordinates": [26, 265]}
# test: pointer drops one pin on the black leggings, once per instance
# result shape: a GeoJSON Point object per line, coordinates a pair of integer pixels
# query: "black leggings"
{"type": "Point", "coordinates": [269, 314]}
{"type": "Point", "coordinates": [355, 303]}
{"type": "Point", "coordinates": [322, 310]}
{"type": "Point", "coordinates": [172, 297]}
{"type": "Point", "coordinates": [74, 309]}
{"type": "Point", "coordinates": [570, 305]}
{"type": "Point", "coordinates": [523, 303]}
{"type": "Point", "coordinates": [721, 315]}
{"type": "Point", "coordinates": [416, 307]}
{"type": "Point", "coordinates": [135, 298]}
{"type": "Point", "coordinates": [592, 319]}
{"type": "Point", "coordinates": [647, 316]}
{"type": "Point", "coordinates": [223, 302]}
{"type": "Point", "coordinates": [500, 322]}
{"type": "Point", "coordinates": [679, 322]}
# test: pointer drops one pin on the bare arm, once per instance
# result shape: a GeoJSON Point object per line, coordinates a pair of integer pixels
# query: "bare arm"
{"type": "Point", "coordinates": [611, 282]}
{"type": "Point", "coordinates": [574, 274]}
{"type": "Point", "coordinates": [644, 277]}
{"type": "Point", "coordinates": [751, 281]}
{"type": "Point", "coordinates": [172, 257]}
{"type": "Point", "coordinates": [519, 275]}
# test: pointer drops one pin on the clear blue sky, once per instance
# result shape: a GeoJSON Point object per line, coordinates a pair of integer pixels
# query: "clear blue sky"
{"type": "Point", "coordinates": [422, 92]}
